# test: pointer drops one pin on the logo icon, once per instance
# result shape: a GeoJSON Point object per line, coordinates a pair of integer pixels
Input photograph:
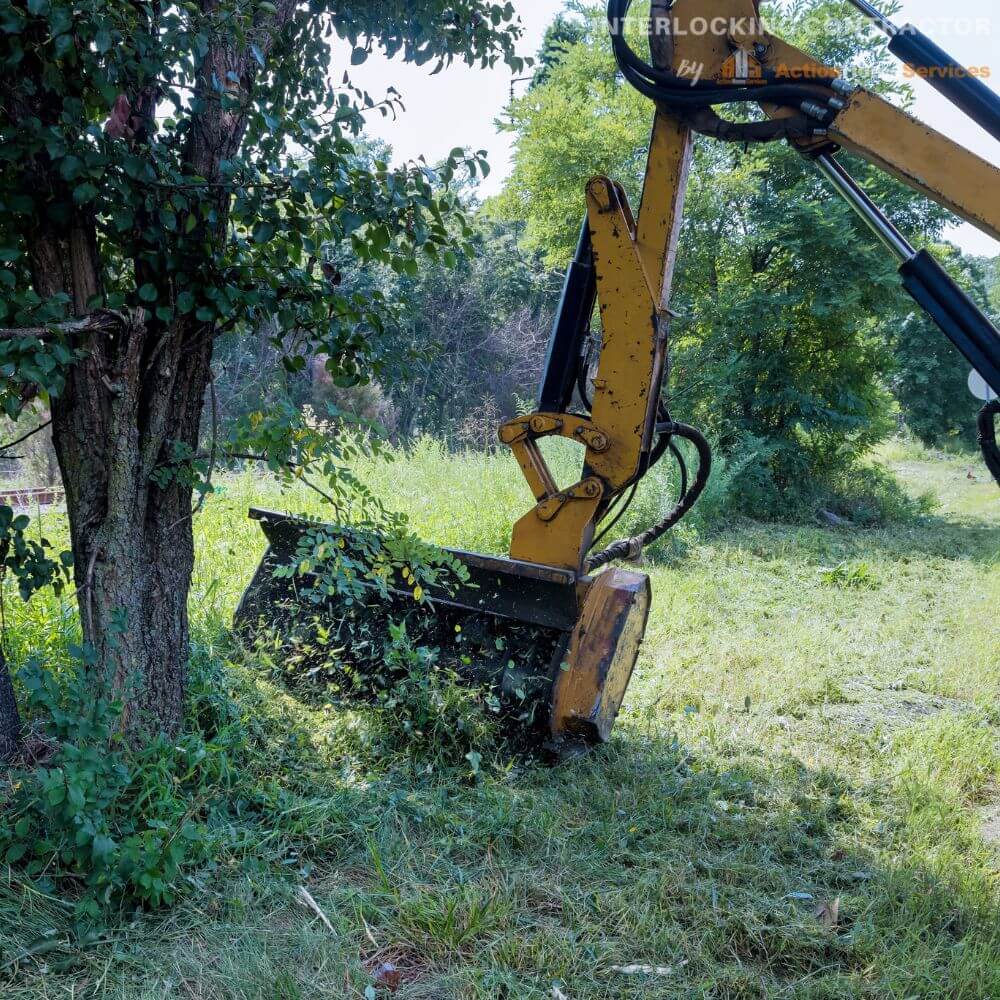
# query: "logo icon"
{"type": "Point", "coordinates": [741, 67]}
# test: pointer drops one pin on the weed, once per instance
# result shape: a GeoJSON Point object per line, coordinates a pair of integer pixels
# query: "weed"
{"type": "Point", "coordinates": [855, 575]}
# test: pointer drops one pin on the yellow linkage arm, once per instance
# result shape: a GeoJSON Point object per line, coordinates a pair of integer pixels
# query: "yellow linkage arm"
{"type": "Point", "coordinates": [634, 263]}
{"type": "Point", "coordinates": [926, 160]}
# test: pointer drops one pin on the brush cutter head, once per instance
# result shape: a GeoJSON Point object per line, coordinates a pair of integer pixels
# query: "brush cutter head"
{"type": "Point", "coordinates": [555, 648]}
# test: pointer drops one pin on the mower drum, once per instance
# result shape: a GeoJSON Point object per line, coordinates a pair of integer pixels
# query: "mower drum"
{"type": "Point", "coordinates": [556, 649]}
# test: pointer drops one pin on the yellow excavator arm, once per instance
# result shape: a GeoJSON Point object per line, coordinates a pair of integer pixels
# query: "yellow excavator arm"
{"type": "Point", "coordinates": [709, 53]}
{"type": "Point", "coordinates": [554, 639]}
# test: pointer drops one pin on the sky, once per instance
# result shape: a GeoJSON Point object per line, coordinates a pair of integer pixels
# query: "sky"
{"type": "Point", "coordinates": [460, 106]}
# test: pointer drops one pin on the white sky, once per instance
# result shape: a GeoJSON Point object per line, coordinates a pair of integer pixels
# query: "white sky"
{"type": "Point", "coordinates": [459, 106]}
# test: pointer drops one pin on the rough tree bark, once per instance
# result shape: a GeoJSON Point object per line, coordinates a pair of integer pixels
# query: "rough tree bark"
{"type": "Point", "coordinates": [138, 392]}
{"type": "Point", "coordinates": [10, 718]}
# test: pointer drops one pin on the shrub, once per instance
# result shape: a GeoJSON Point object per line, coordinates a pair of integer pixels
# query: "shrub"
{"type": "Point", "coordinates": [745, 483]}
{"type": "Point", "coordinates": [120, 823]}
{"type": "Point", "coordinates": [428, 711]}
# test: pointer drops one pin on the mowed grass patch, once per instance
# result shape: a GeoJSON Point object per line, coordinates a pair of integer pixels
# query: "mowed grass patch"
{"type": "Point", "coordinates": [810, 735]}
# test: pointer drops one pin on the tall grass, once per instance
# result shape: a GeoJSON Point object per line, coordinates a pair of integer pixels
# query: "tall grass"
{"type": "Point", "coordinates": [796, 803]}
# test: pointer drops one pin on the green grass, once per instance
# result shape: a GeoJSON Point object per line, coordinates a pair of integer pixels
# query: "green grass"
{"type": "Point", "coordinates": [814, 719]}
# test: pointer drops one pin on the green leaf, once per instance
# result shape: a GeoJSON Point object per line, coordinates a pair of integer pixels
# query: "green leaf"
{"type": "Point", "coordinates": [358, 56]}
{"type": "Point", "coordinates": [351, 222]}
{"type": "Point", "coordinates": [15, 852]}
{"type": "Point", "coordinates": [185, 302]}
{"type": "Point", "coordinates": [263, 232]}
{"type": "Point", "coordinates": [70, 167]}
{"type": "Point", "coordinates": [148, 292]}
{"type": "Point", "coordinates": [84, 193]}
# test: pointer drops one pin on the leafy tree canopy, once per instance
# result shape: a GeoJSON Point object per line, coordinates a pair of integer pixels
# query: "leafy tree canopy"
{"type": "Point", "coordinates": [207, 145]}
{"type": "Point", "coordinates": [171, 172]}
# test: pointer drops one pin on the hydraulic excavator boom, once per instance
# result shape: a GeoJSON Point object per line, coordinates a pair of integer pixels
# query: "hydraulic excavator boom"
{"type": "Point", "coordinates": [711, 53]}
{"type": "Point", "coordinates": [706, 55]}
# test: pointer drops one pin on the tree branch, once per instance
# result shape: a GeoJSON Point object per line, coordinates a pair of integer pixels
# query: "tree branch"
{"type": "Point", "coordinates": [23, 438]}
{"type": "Point", "coordinates": [95, 323]}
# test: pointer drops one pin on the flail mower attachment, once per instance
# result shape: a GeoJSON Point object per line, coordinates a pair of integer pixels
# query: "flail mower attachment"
{"type": "Point", "coordinates": [556, 648]}
{"type": "Point", "coordinates": [555, 641]}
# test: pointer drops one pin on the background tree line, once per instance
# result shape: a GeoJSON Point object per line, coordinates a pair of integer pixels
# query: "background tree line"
{"type": "Point", "coordinates": [795, 348]}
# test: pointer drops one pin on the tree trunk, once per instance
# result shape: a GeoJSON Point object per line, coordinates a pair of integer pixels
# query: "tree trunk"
{"type": "Point", "coordinates": [130, 517]}
{"type": "Point", "coordinates": [135, 397]}
{"type": "Point", "coordinates": [10, 718]}
{"type": "Point", "coordinates": [126, 424]}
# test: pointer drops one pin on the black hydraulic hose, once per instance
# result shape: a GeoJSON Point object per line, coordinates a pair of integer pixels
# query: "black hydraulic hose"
{"type": "Point", "coordinates": [692, 100]}
{"type": "Point", "coordinates": [618, 516]}
{"type": "Point", "coordinates": [988, 437]}
{"type": "Point", "coordinates": [665, 443]}
{"type": "Point", "coordinates": [628, 59]}
{"type": "Point", "coordinates": [682, 465]}
{"type": "Point", "coordinates": [780, 93]}
{"type": "Point", "coordinates": [631, 548]}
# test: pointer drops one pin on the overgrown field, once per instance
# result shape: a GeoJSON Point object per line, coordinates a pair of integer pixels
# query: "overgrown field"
{"type": "Point", "coordinates": [802, 799]}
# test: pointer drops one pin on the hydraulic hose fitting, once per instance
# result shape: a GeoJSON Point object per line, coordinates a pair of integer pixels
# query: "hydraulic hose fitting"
{"type": "Point", "coordinates": [814, 110]}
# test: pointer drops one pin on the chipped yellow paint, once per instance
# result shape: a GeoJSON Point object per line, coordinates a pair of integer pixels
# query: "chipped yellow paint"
{"type": "Point", "coordinates": [922, 158]}
{"type": "Point", "coordinates": [601, 656]}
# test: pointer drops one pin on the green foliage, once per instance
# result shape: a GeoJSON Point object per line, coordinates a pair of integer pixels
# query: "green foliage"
{"type": "Point", "coordinates": [853, 575]}
{"type": "Point", "coordinates": [295, 182]}
{"type": "Point", "coordinates": [560, 36]}
{"type": "Point", "coordinates": [208, 200]}
{"type": "Point", "coordinates": [819, 763]}
{"type": "Point", "coordinates": [346, 562]}
{"type": "Point", "coordinates": [30, 561]}
{"type": "Point", "coordinates": [120, 824]}
{"type": "Point", "coordinates": [471, 332]}
{"type": "Point", "coordinates": [581, 120]}
{"type": "Point", "coordinates": [429, 712]}
{"type": "Point", "coordinates": [27, 361]}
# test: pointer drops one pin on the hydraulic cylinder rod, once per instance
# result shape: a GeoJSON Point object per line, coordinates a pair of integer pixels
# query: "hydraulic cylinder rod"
{"type": "Point", "coordinates": [872, 215]}
{"type": "Point", "coordinates": [956, 82]}
{"type": "Point", "coordinates": [927, 282]}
